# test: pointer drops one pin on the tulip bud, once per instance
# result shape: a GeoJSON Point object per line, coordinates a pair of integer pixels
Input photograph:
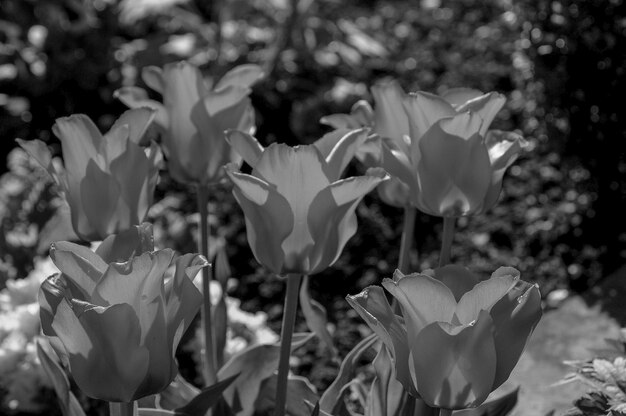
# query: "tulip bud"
{"type": "Point", "coordinates": [193, 117]}
{"type": "Point", "coordinates": [119, 323]}
{"type": "Point", "coordinates": [461, 337]}
{"type": "Point", "coordinates": [108, 180]}
{"type": "Point", "coordinates": [299, 215]}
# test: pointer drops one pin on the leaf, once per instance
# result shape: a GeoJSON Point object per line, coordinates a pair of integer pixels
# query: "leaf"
{"type": "Point", "coordinates": [50, 363]}
{"type": "Point", "coordinates": [498, 407]}
{"type": "Point", "coordinates": [255, 364]}
{"type": "Point", "coordinates": [177, 394]}
{"type": "Point", "coordinates": [315, 316]}
{"type": "Point", "coordinates": [299, 391]}
{"type": "Point", "coordinates": [332, 399]}
{"type": "Point", "coordinates": [206, 399]}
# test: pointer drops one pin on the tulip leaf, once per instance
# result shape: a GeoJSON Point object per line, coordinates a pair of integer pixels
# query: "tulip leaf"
{"type": "Point", "coordinates": [255, 364]}
{"type": "Point", "coordinates": [177, 394]}
{"type": "Point", "coordinates": [332, 399]}
{"type": "Point", "coordinates": [501, 406]}
{"type": "Point", "coordinates": [50, 363]}
{"type": "Point", "coordinates": [299, 391]}
{"type": "Point", "coordinates": [315, 316]}
{"type": "Point", "coordinates": [206, 399]}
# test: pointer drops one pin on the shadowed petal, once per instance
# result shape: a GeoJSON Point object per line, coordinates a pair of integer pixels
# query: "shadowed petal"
{"type": "Point", "coordinates": [371, 304]}
{"type": "Point", "coordinates": [424, 300]}
{"type": "Point", "coordinates": [78, 263]}
{"type": "Point", "coordinates": [454, 370]}
{"type": "Point", "coordinates": [486, 106]}
{"type": "Point", "coordinates": [514, 317]}
{"type": "Point", "coordinates": [331, 219]}
{"type": "Point", "coordinates": [100, 198]}
{"type": "Point", "coordinates": [423, 110]}
{"type": "Point", "coordinates": [103, 342]}
{"type": "Point", "coordinates": [390, 120]}
{"type": "Point", "coordinates": [120, 247]}
{"type": "Point", "coordinates": [483, 296]}
{"type": "Point", "coordinates": [457, 278]}
{"type": "Point", "coordinates": [246, 145]}
{"type": "Point", "coordinates": [269, 218]}
{"type": "Point", "coordinates": [459, 96]}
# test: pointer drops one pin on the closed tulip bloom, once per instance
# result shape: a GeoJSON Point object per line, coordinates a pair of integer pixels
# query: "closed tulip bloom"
{"type": "Point", "coordinates": [442, 150]}
{"type": "Point", "coordinates": [109, 179]}
{"type": "Point", "coordinates": [119, 323]}
{"type": "Point", "coordinates": [460, 338]}
{"type": "Point", "coordinates": [194, 115]}
{"type": "Point", "coordinates": [299, 214]}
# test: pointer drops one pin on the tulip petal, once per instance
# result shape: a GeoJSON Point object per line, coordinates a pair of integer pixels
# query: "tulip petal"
{"type": "Point", "coordinates": [486, 106]}
{"type": "Point", "coordinates": [221, 99]}
{"type": "Point", "coordinates": [514, 317]}
{"type": "Point", "coordinates": [99, 195]}
{"type": "Point", "coordinates": [504, 147]}
{"type": "Point", "coordinates": [454, 371]}
{"type": "Point", "coordinates": [483, 296]}
{"type": "Point", "coordinates": [269, 218]}
{"type": "Point", "coordinates": [371, 305]}
{"type": "Point", "coordinates": [464, 125]}
{"type": "Point", "coordinates": [246, 145]}
{"type": "Point", "coordinates": [343, 151]}
{"type": "Point", "coordinates": [138, 120]}
{"type": "Point", "coordinates": [390, 120]}
{"type": "Point", "coordinates": [243, 75]}
{"type": "Point", "coordinates": [457, 278]}
{"type": "Point", "coordinates": [153, 77]}
{"type": "Point", "coordinates": [331, 220]}
{"type": "Point", "coordinates": [51, 293]}
{"type": "Point", "coordinates": [181, 296]}
{"type": "Point", "coordinates": [424, 300]}
{"type": "Point", "coordinates": [423, 110]}
{"type": "Point", "coordinates": [103, 342]}
{"type": "Point", "coordinates": [132, 170]}
{"type": "Point", "coordinates": [327, 142]}
{"type": "Point", "coordinates": [455, 173]}
{"type": "Point", "coordinates": [129, 243]}
{"type": "Point", "coordinates": [398, 165]}
{"type": "Point", "coordinates": [459, 96]}
{"type": "Point", "coordinates": [79, 264]}
{"type": "Point", "coordinates": [134, 282]}
{"type": "Point", "coordinates": [135, 97]}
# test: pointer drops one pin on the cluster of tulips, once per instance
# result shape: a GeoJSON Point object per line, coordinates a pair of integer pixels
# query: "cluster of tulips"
{"type": "Point", "coordinates": [115, 315]}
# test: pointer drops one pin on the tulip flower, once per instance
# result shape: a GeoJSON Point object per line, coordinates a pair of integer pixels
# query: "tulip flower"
{"type": "Point", "coordinates": [451, 163]}
{"type": "Point", "coordinates": [299, 215]}
{"type": "Point", "coordinates": [460, 337]}
{"type": "Point", "coordinates": [119, 323]}
{"type": "Point", "coordinates": [108, 180]}
{"type": "Point", "coordinates": [194, 116]}
{"type": "Point", "coordinates": [392, 192]}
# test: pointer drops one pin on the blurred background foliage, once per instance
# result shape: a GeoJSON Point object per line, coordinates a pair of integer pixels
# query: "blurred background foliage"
{"type": "Point", "coordinates": [560, 63]}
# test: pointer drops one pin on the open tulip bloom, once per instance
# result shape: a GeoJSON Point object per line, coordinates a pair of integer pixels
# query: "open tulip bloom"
{"type": "Point", "coordinates": [109, 179]}
{"type": "Point", "coordinates": [119, 324]}
{"type": "Point", "coordinates": [194, 116]}
{"type": "Point", "coordinates": [299, 214]}
{"type": "Point", "coordinates": [460, 337]}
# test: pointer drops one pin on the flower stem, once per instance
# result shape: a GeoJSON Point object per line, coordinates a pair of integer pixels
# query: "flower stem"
{"type": "Point", "coordinates": [286, 333]}
{"type": "Point", "coordinates": [404, 261]}
{"type": "Point", "coordinates": [209, 361]}
{"type": "Point", "coordinates": [446, 240]}
{"type": "Point", "coordinates": [122, 409]}
{"type": "Point", "coordinates": [445, 412]}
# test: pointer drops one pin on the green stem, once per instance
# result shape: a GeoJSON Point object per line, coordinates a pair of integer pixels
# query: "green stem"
{"type": "Point", "coordinates": [446, 240]}
{"type": "Point", "coordinates": [286, 333]}
{"type": "Point", "coordinates": [122, 409]}
{"type": "Point", "coordinates": [422, 409]}
{"type": "Point", "coordinates": [404, 261]}
{"type": "Point", "coordinates": [209, 360]}
{"type": "Point", "coordinates": [445, 412]}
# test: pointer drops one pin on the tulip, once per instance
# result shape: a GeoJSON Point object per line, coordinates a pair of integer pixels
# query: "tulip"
{"type": "Point", "coordinates": [392, 192]}
{"type": "Point", "coordinates": [460, 337]}
{"type": "Point", "coordinates": [442, 150]}
{"type": "Point", "coordinates": [118, 323]}
{"type": "Point", "coordinates": [193, 116]}
{"type": "Point", "coordinates": [299, 215]}
{"type": "Point", "coordinates": [108, 180]}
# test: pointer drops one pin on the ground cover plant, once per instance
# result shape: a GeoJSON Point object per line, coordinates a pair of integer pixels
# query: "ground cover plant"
{"type": "Point", "coordinates": [250, 144]}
